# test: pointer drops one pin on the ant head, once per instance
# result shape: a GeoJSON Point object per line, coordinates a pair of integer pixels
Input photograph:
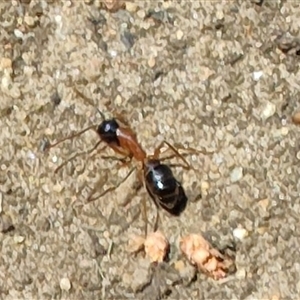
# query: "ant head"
{"type": "Point", "coordinates": [107, 131]}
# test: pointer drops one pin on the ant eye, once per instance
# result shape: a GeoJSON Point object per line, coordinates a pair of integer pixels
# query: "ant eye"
{"type": "Point", "coordinates": [107, 127]}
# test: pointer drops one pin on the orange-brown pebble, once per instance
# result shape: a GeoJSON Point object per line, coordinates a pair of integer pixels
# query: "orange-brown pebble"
{"type": "Point", "coordinates": [201, 254]}
{"type": "Point", "coordinates": [296, 117]}
{"type": "Point", "coordinates": [192, 242]}
{"type": "Point", "coordinates": [156, 246]}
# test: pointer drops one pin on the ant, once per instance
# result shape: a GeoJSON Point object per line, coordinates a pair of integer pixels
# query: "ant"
{"type": "Point", "coordinates": [158, 178]}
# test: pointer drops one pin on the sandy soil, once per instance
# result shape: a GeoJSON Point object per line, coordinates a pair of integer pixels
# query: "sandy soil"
{"type": "Point", "coordinates": [220, 76]}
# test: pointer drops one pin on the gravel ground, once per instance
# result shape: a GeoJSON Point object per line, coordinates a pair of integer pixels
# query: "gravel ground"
{"type": "Point", "coordinates": [216, 75]}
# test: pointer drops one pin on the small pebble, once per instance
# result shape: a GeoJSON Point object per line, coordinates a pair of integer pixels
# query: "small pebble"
{"type": "Point", "coordinates": [151, 62]}
{"type": "Point", "coordinates": [179, 34]}
{"type": "Point", "coordinates": [29, 21]}
{"type": "Point", "coordinates": [268, 111]}
{"type": "Point", "coordinates": [49, 131]}
{"type": "Point", "coordinates": [284, 130]}
{"type": "Point", "coordinates": [46, 188]}
{"type": "Point", "coordinates": [5, 63]}
{"type": "Point", "coordinates": [65, 284]}
{"type": "Point", "coordinates": [264, 203]}
{"type": "Point", "coordinates": [5, 82]}
{"type": "Point", "coordinates": [241, 274]}
{"type": "Point", "coordinates": [58, 19]}
{"type": "Point", "coordinates": [236, 174]}
{"type": "Point", "coordinates": [275, 297]}
{"type": "Point", "coordinates": [179, 265]}
{"type": "Point", "coordinates": [296, 117]}
{"type": "Point", "coordinates": [54, 159]}
{"type": "Point", "coordinates": [19, 239]}
{"type": "Point", "coordinates": [118, 100]}
{"type": "Point", "coordinates": [131, 6]}
{"type": "Point", "coordinates": [240, 233]}
{"type": "Point", "coordinates": [141, 14]}
{"type": "Point", "coordinates": [57, 188]}
{"type": "Point", "coordinates": [262, 230]}
{"type": "Point", "coordinates": [156, 246]}
{"type": "Point", "coordinates": [18, 33]}
{"type": "Point", "coordinates": [257, 75]}
{"type": "Point", "coordinates": [204, 186]}
{"type": "Point", "coordinates": [219, 15]}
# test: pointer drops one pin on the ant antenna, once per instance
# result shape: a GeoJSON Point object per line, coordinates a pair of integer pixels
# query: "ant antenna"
{"type": "Point", "coordinates": [101, 114]}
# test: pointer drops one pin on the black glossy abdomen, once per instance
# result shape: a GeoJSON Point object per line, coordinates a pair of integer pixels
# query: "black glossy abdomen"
{"type": "Point", "coordinates": [164, 189]}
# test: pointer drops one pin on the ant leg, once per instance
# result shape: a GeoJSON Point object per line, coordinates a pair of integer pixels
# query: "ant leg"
{"type": "Point", "coordinates": [120, 151]}
{"type": "Point", "coordinates": [195, 151]}
{"type": "Point", "coordinates": [120, 117]}
{"type": "Point", "coordinates": [177, 154]}
{"type": "Point", "coordinates": [144, 214]}
{"type": "Point", "coordinates": [90, 199]}
{"type": "Point", "coordinates": [85, 98]}
{"type": "Point", "coordinates": [79, 154]}
{"type": "Point", "coordinates": [157, 152]}
{"type": "Point", "coordinates": [144, 211]}
{"type": "Point", "coordinates": [144, 203]}
{"type": "Point", "coordinates": [125, 160]}
{"type": "Point", "coordinates": [70, 137]}
{"type": "Point", "coordinates": [157, 219]}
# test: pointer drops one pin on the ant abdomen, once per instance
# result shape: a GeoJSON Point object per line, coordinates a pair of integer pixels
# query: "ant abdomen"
{"type": "Point", "coordinates": [163, 187]}
{"type": "Point", "coordinates": [107, 131]}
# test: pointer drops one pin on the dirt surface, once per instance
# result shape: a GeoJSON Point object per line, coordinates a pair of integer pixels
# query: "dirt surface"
{"type": "Point", "coordinates": [217, 76]}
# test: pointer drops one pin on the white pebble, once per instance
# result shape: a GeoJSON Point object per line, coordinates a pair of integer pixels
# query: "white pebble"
{"type": "Point", "coordinates": [31, 155]}
{"type": "Point", "coordinates": [236, 174]}
{"type": "Point", "coordinates": [5, 81]}
{"type": "Point", "coordinates": [240, 233]}
{"type": "Point", "coordinates": [54, 159]}
{"type": "Point", "coordinates": [113, 53]}
{"type": "Point", "coordinates": [65, 284]}
{"type": "Point", "coordinates": [268, 111]}
{"type": "Point", "coordinates": [257, 75]}
{"type": "Point", "coordinates": [141, 14]}
{"type": "Point", "coordinates": [241, 274]}
{"type": "Point", "coordinates": [19, 239]}
{"type": "Point", "coordinates": [46, 188]}
{"type": "Point", "coordinates": [18, 33]}
{"type": "Point", "coordinates": [57, 188]}
{"type": "Point", "coordinates": [58, 19]}
{"type": "Point", "coordinates": [179, 34]}
{"type": "Point", "coordinates": [195, 15]}
{"type": "Point", "coordinates": [219, 15]}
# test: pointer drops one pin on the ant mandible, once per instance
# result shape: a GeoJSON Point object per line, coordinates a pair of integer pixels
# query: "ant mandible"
{"type": "Point", "coordinates": [158, 178]}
